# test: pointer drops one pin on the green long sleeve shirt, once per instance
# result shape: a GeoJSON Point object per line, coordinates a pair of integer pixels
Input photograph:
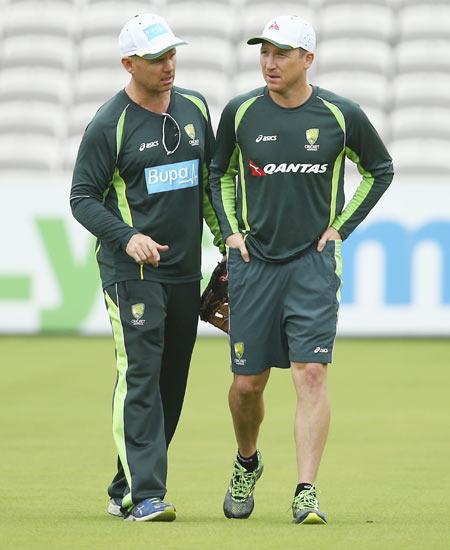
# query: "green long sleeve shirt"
{"type": "Point", "coordinates": [277, 175]}
{"type": "Point", "coordinates": [126, 182]}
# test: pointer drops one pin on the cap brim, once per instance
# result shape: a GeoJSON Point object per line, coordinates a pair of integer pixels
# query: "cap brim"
{"type": "Point", "coordinates": [163, 51]}
{"type": "Point", "coordinates": [260, 39]}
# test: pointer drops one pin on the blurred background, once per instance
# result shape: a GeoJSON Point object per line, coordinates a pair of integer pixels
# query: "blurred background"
{"type": "Point", "coordinates": [59, 62]}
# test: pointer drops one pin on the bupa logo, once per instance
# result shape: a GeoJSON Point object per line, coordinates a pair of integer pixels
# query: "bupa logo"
{"type": "Point", "coordinates": [271, 168]}
{"type": "Point", "coordinates": [171, 177]}
{"type": "Point", "coordinates": [265, 138]}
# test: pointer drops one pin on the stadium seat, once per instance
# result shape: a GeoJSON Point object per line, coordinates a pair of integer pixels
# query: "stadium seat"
{"type": "Point", "coordinates": [363, 20]}
{"type": "Point", "coordinates": [98, 85]}
{"type": "Point", "coordinates": [206, 52]}
{"type": "Point", "coordinates": [46, 51]}
{"type": "Point", "coordinates": [417, 156]}
{"type": "Point", "coordinates": [354, 55]}
{"type": "Point", "coordinates": [367, 89]}
{"type": "Point", "coordinates": [326, 3]}
{"type": "Point", "coordinates": [216, 19]}
{"type": "Point", "coordinates": [426, 122]}
{"type": "Point", "coordinates": [99, 51]}
{"type": "Point", "coordinates": [29, 152]}
{"type": "Point", "coordinates": [150, 7]}
{"type": "Point", "coordinates": [421, 89]}
{"type": "Point", "coordinates": [71, 146]}
{"type": "Point", "coordinates": [79, 117]}
{"type": "Point", "coordinates": [41, 18]}
{"type": "Point", "coordinates": [32, 117]}
{"type": "Point", "coordinates": [74, 3]}
{"type": "Point", "coordinates": [247, 57]}
{"type": "Point", "coordinates": [37, 84]}
{"type": "Point", "coordinates": [428, 20]}
{"type": "Point", "coordinates": [214, 85]}
{"type": "Point", "coordinates": [379, 120]}
{"type": "Point", "coordinates": [108, 17]}
{"type": "Point", "coordinates": [215, 113]}
{"type": "Point", "coordinates": [247, 80]}
{"type": "Point", "coordinates": [424, 55]}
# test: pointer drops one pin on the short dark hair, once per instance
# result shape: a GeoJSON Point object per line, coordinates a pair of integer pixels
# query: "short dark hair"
{"type": "Point", "coordinates": [302, 52]}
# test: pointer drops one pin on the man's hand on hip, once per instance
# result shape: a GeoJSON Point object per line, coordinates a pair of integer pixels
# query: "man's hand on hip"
{"type": "Point", "coordinates": [329, 234]}
{"type": "Point", "coordinates": [145, 250]}
{"type": "Point", "coordinates": [236, 240]}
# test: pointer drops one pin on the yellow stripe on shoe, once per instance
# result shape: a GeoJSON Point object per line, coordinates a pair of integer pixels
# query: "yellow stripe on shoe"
{"type": "Point", "coordinates": [313, 519]}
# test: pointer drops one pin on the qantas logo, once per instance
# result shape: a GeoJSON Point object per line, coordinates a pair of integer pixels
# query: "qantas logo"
{"type": "Point", "coordinates": [286, 168]}
{"type": "Point", "coordinates": [256, 170]}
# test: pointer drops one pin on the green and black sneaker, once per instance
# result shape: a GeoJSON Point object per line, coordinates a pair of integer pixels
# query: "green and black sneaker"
{"type": "Point", "coordinates": [305, 508]}
{"type": "Point", "coordinates": [239, 500]}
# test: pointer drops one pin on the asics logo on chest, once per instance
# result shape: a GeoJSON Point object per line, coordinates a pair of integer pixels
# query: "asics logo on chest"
{"type": "Point", "coordinates": [148, 145]}
{"type": "Point", "coordinates": [265, 138]}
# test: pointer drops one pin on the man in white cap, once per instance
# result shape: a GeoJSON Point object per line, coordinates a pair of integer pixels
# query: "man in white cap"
{"type": "Point", "coordinates": [284, 220]}
{"type": "Point", "coordinates": [140, 185]}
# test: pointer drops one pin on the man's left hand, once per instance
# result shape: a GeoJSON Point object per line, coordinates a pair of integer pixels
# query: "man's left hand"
{"type": "Point", "coordinates": [329, 234]}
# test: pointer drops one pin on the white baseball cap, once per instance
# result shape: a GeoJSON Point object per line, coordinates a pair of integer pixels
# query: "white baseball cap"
{"type": "Point", "coordinates": [147, 35]}
{"type": "Point", "coordinates": [288, 32]}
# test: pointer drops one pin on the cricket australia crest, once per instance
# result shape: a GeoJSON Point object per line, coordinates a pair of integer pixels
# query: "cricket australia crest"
{"type": "Point", "coordinates": [312, 135]}
{"type": "Point", "coordinates": [190, 131]}
{"type": "Point", "coordinates": [239, 350]}
{"type": "Point", "coordinates": [138, 310]}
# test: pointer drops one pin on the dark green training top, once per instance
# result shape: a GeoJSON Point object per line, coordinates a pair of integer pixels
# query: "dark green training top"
{"type": "Point", "coordinates": [125, 182]}
{"type": "Point", "coordinates": [290, 170]}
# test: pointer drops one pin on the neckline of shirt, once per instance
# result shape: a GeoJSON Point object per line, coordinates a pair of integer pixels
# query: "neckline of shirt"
{"type": "Point", "coordinates": [292, 109]}
{"type": "Point", "coordinates": [152, 113]}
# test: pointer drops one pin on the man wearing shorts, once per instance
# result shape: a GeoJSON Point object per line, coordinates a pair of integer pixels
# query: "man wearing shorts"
{"type": "Point", "coordinates": [284, 220]}
{"type": "Point", "coordinates": [140, 185]}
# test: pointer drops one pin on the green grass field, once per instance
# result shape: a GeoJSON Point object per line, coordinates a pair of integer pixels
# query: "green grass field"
{"type": "Point", "coordinates": [384, 478]}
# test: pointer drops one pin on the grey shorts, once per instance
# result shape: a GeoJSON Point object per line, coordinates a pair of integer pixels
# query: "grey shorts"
{"type": "Point", "coordinates": [283, 312]}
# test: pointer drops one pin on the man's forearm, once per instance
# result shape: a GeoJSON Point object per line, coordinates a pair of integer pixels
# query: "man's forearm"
{"type": "Point", "coordinates": [93, 215]}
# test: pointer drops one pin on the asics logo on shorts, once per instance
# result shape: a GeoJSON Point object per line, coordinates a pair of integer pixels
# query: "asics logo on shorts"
{"type": "Point", "coordinates": [172, 177]}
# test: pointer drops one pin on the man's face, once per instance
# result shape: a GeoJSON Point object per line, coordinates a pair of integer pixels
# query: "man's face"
{"type": "Point", "coordinates": [154, 75]}
{"type": "Point", "coordinates": [283, 69]}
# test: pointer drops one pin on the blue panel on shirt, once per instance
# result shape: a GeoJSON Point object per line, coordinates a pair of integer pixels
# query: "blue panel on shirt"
{"type": "Point", "coordinates": [171, 177]}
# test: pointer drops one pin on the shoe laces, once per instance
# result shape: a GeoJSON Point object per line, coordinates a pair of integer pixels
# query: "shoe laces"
{"type": "Point", "coordinates": [242, 482]}
{"type": "Point", "coordinates": [306, 499]}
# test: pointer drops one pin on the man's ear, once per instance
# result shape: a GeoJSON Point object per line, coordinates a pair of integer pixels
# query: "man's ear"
{"type": "Point", "coordinates": [127, 63]}
{"type": "Point", "coordinates": [309, 58]}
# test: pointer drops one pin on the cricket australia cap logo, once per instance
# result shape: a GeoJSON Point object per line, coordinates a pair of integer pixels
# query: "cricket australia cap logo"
{"type": "Point", "coordinates": [312, 135]}
{"type": "Point", "coordinates": [190, 131]}
{"type": "Point", "coordinates": [239, 350]}
{"type": "Point", "coordinates": [138, 310]}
